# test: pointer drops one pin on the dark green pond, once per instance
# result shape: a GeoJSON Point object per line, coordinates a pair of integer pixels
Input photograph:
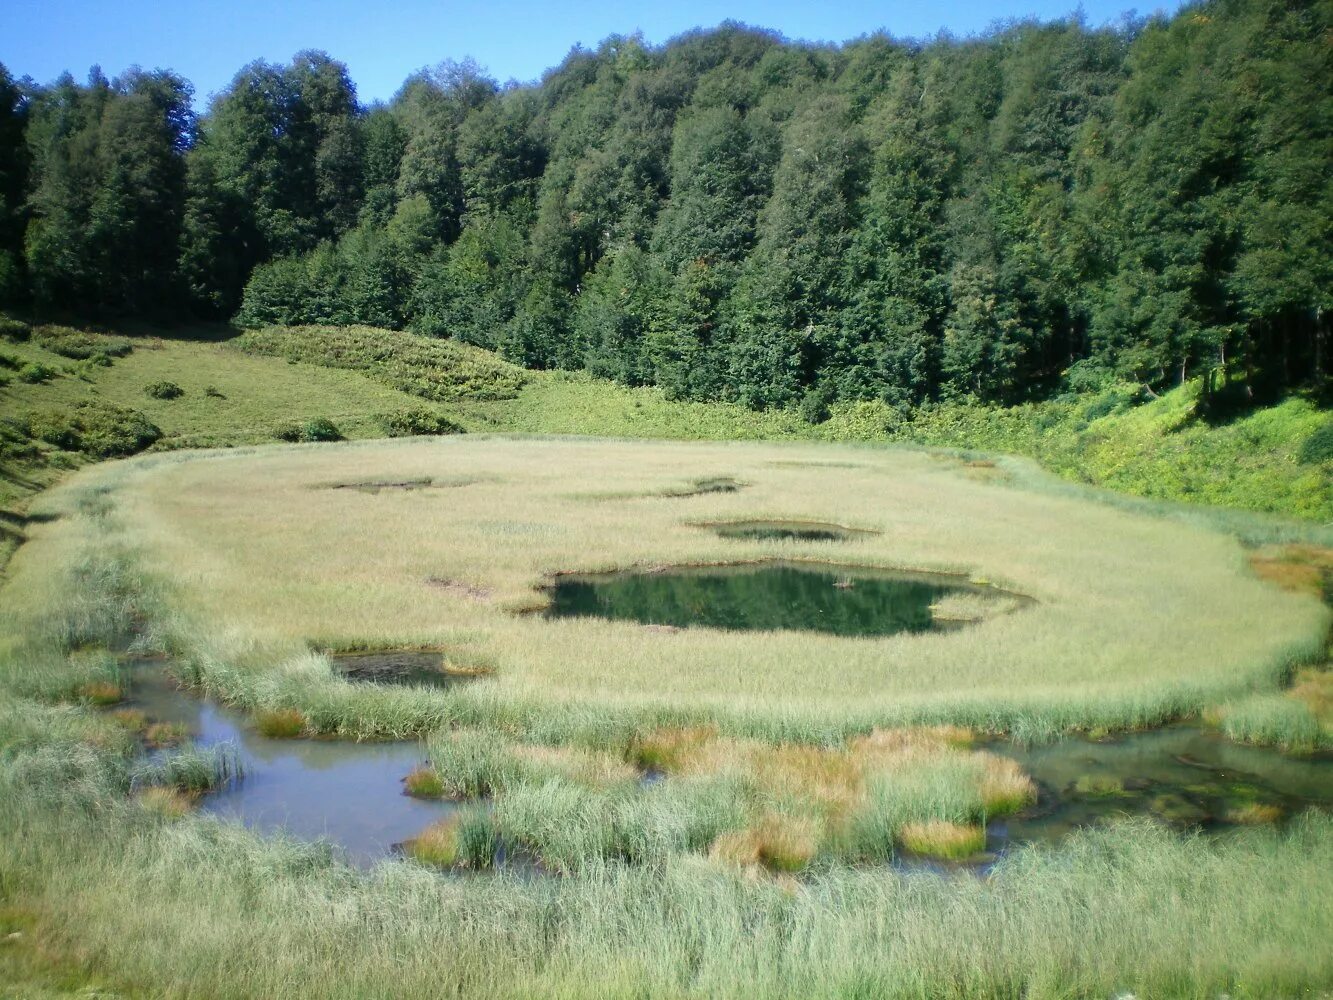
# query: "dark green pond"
{"type": "Point", "coordinates": [774, 595]}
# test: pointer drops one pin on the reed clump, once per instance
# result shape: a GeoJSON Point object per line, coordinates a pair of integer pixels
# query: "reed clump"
{"type": "Point", "coordinates": [423, 783]}
{"type": "Point", "coordinates": [101, 693]}
{"type": "Point", "coordinates": [281, 723]}
{"type": "Point", "coordinates": [938, 838]}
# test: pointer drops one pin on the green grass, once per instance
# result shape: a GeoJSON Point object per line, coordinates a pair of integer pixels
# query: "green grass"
{"type": "Point", "coordinates": [241, 391]}
{"type": "Point", "coordinates": [239, 565]}
{"type": "Point", "coordinates": [439, 370]}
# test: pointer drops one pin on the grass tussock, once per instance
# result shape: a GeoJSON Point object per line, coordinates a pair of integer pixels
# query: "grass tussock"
{"type": "Point", "coordinates": [782, 806]}
{"type": "Point", "coordinates": [101, 693]}
{"type": "Point", "coordinates": [437, 845]}
{"type": "Point", "coordinates": [943, 839]}
{"type": "Point", "coordinates": [159, 735]}
{"type": "Point", "coordinates": [464, 840]}
{"type": "Point", "coordinates": [133, 719]}
{"type": "Point", "coordinates": [1255, 813]}
{"type": "Point", "coordinates": [281, 723]}
{"type": "Point", "coordinates": [169, 803]}
{"type": "Point", "coordinates": [778, 843]}
{"type": "Point", "coordinates": [423, 783]}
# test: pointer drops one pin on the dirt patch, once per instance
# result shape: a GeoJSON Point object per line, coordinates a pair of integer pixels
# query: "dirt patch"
{"type": "Point", "coordinates": [790, 530]}
{"type": "Point", "coordinates": [703, 487]}
{"type": "Point", "coordinates": [1305, 569]}
{"type": "Point", "coordinates": [457, 588]}
{"type": "Point", "coordinates": [374, 486]}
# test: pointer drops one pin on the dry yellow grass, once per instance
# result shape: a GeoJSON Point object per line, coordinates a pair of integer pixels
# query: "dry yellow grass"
{"type": "Point", "coordinates": [780, 843]}
{"type": "Point", "coordinates": [823, 791]}
{"type": "Point", "coordinates": [101, 692]}
{"type": "Point", "coordinates": [169, 803]}
{"type": "Point", "coordinates": [1255, 813]}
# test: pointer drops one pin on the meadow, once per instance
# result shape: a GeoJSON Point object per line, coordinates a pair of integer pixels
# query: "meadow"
{"type": "Point", "coordinates": [705, 812]}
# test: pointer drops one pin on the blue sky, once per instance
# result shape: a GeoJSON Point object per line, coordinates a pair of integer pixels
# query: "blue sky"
{"type": "Point", "coordinates": [382, 42]}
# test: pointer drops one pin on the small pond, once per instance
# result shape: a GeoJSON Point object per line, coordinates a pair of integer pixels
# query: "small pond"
{"type": "Point", "coordinates": [1185, 776]}
{"type": "Point", "coordinates": [350, 794]}
{"type": "Point", "coordinates": [797, 531]}
{"type": "Point", "coordinates": [398, 666]}
{"type": "Point", "coordinates": [842, 600]}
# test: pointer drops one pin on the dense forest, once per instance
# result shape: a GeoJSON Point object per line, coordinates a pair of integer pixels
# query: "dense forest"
{"type": "Point", "coordinates": [1050, 207]}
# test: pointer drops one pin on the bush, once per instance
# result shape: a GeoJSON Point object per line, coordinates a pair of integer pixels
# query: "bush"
{"type": "Point", "coordinates": [1318, 447]}
{"type": "Point", "coordinates": [316, 429]}
{"type": "Point", "coordinates": [1088, 375]}
{"type": "Point", "coordinates": [99, 430]}
{"type": "Point", "coordinates": [35, 372]}
{"type": "Point", "coordinates": [413, 423]}
{"type": "Point", "coordinates": [163, 390]}
{"type": "Point", "coordinates": [14, 329]}
{"type": "Point", "coordinates": [10, 361]}
{"type": "Point", "coordinates": [79, 345]}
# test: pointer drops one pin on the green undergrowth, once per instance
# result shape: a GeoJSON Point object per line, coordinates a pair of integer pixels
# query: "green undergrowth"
{"type": "Point", "coordinates": [435, 369]}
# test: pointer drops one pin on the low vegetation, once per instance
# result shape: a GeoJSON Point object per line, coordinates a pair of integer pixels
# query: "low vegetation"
{"type": "Point", "coordinates": [740, 840]}
{"type": "Point", "coordinates": [434, 369]}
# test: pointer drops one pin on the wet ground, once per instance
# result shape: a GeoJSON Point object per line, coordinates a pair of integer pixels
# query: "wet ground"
{"type": "Point", "coordinates": [348, 793]}
{"type": "Point", "coordinates": [351, 794]}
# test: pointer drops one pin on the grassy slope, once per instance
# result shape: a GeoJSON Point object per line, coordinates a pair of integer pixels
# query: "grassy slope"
{"type": "Point", "coordinates": [1155, 450]}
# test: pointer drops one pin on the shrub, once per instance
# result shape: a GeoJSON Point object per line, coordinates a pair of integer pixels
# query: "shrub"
{"type": "Point", "coordinates": [213, 392]}
{"type": "Point", "coordinates": [35, 372]}
{"type": "Point", "coordinates": [1318, 447]}
{"type": "Point", "coordinates": [417, 422]}
{"type": "Point", "coordinates": [1088, 375]}
{"type": "Point", "coordinates": [316, 429]}
{"type": "Point", "coordinates": [433, 369]}
{"type": "Point", "coordinates": [163, 390]}
{"type": "Point", "coordinates": [14, 329]}
{"type": "Point", "coordinates": [10, 361]}
{"type": "Point", "coordinates": [99, 430]}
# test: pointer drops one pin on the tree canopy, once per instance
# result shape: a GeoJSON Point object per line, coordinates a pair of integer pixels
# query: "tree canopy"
{"type": "Point", "coordinates": [732, 215]}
